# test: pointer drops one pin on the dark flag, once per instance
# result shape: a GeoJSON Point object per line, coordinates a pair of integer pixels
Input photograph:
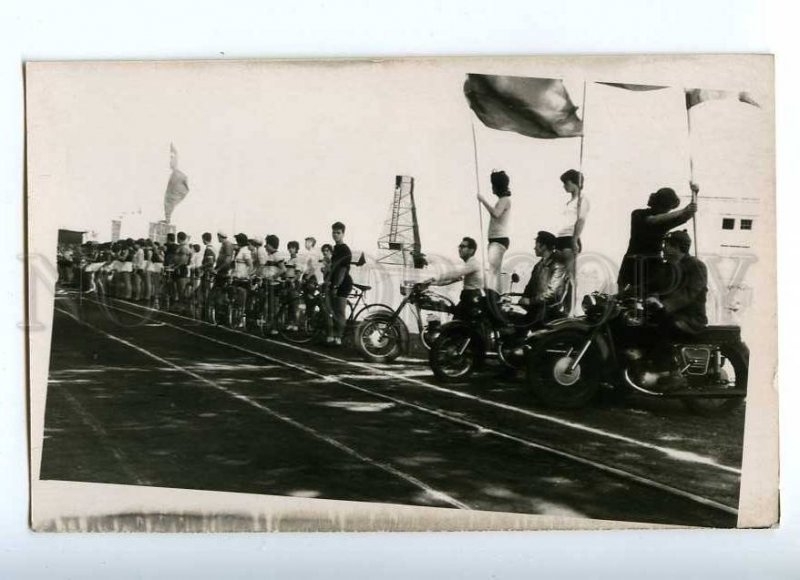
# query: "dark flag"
{"type": "Point", "coordinates": [697, 96]}
{"type": "Point", "coordinates": [630, 87]}
{"type": "Point", "coordinates": [534, 107]}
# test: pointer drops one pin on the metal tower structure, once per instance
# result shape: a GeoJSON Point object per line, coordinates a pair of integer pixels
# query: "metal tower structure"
{"type": "Point", "coordinates": [400, 244]}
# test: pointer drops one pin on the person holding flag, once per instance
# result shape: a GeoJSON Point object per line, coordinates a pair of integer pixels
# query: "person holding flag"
{"type": "Point", "coordinates": [641, 265]}
{"type": "Point", "coordinates": [498, 226]}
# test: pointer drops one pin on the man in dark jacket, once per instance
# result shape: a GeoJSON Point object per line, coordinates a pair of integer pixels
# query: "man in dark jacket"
{"type": "Point", "coordinates": [683, 298]}
{"type": "Point", "coordinates": [679, 307]}
{"type": "Point", "coordinates": [543, 297]}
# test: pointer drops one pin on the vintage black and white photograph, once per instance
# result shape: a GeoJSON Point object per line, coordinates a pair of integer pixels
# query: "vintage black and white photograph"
{"type": "Point", "coordinates": [467, 293]}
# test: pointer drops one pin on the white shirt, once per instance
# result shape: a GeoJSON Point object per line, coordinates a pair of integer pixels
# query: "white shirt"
{"type": "Point", "coordinates": [313, 265]}
{"type": "Point", "coordinates": [569, 216]}
{"type": "Point", "coordinates": [197, 260]}
{"type": "Point", "coordinates": [240, 268]}
{"type": "Point", "coordinates": [138, 259]}
{"type": "Point", "coordinates": [469, 271]}
{"type": "Point", "coordinates": [271, 264]}
{"type": "Point", "coordinates": [498, 226]}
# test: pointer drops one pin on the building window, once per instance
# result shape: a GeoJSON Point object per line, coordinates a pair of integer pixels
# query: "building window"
{"type": "Point", "coordinates": [747, 224]}
{"type": "Point", "coordinates": [728, 223]}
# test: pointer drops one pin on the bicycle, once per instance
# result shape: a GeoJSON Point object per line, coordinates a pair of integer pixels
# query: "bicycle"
{"type": "Point", "coordinates": [225, 308]}
{"type": "Point", "coordinates": [167, 288]}
{"type": "Point", "coordinates": [255, 304]}
{"type": "Point", "coordinates": [313, 316]}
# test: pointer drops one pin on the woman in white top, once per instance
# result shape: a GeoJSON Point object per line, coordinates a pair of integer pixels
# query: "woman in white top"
{"type": "Point", "coordinates": [498, 226]}
{"type": "Point", "coordinates": [573, 218]}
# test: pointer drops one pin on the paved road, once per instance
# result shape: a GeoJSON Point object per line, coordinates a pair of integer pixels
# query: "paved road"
{"type": "Point", "coordinates": [147, 398]}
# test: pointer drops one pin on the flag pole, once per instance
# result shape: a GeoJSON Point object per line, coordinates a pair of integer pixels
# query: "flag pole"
{"type": "Point", "coordinates": [691, 176]}
{"type": "Point", "coordinates": [480, 212]}
{"type": "Point", "coordinates": [574, 268]}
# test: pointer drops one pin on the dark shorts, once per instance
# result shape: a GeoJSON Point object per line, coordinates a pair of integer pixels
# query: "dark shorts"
{"type": "Point", "coordinates": [565, 243]}
{"type": "Point", "coordinates": [505, 242]}
{"type": "Point", "coordinates": [344, 289]}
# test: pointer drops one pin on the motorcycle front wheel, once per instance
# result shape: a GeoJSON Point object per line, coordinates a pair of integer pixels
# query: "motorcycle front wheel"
{"type": "Point", "coordinates": [378, 339]}
{"type": "Point", "coordinates": [549, 374]}
{"type": "Point", "coordinates": [455, 355]}
{"type": "Point", "coordinates": [733, 375]}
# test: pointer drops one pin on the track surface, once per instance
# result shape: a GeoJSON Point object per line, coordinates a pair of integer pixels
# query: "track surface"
{"type": "Point", "coordinates": [147, 398]}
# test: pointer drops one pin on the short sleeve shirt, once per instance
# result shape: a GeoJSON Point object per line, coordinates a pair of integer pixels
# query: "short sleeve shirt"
{"type": "Point", "coordinates": [569, 216]}
{"type": "Point", "coordinates": [241, 269]}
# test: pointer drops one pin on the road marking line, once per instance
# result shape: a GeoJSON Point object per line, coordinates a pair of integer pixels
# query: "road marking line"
{"type": "Point", "coordinates": [477, 426]}
{"type": "Point", "coordinates": [317, 435]}
{"type": "Point", "coordinates": [681, 455]}
{"type": "Point", "coordinates": [102, 434]}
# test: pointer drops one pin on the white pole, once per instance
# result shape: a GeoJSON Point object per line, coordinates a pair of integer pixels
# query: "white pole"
{"type": "Point", "coordinates": [691, 177]}
{"type": "Point", "coordinates": [574, 269]}
{"type": "Point", "coordinates": [480, 213]}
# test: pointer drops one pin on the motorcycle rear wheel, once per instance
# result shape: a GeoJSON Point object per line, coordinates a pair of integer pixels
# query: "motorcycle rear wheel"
{"type": "Point", "coordinates": [455, 355]}
{"type": "Point", "coordinates": [733, 363]}
{"type": "Point", "coordinates": [548, 375]}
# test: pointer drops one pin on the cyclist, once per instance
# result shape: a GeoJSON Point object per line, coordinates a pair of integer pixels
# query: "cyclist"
{"type": "Point", "coordinates": [138, 262]}
{"type": "Point", "coordinates": [156, 272]}
{"type": "Point", "coordinates": [196, 269]}
{"type": "Point", "coordinates": [340, 282]}
{"type": "Point", "coordinates": [273, 271]}
{"type": "Point", "coordinates": [292, 277]}
{"type": "Point", "coordinates": [207, 269]}
{"type": "Point", "coordinates": [312, 261]}
{"type": "Point", "coordinates": [225, 256]}
{"type": "Point", "coordinates": [125, 258]}
{"type": "Point", "coordinates": [242, 270]}
{"type": "Point", "coordinates": [182, 260]}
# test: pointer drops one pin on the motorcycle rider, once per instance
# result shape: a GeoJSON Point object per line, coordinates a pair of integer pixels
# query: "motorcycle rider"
{"type": "Point", "coordinates": [679, 308]}
{"type": "Point", "coordinates": [470, 272]}
{"type": "Point", "coordinates": [544, 293]}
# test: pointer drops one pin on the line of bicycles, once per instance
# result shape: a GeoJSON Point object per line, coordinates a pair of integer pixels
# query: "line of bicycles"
{"type": "Point", "coordinates": [566, 361]}
{"type": "Point", "coordinates": [299, 312]}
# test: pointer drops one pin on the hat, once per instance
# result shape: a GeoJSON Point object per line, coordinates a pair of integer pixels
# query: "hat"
{"type": "Point", "coordinates": [546, 238]}
{"type": "Point", "coordinates": [222, 234]}
{"type": "Point", "coordinates": [664, 198]}
{"type": "Point", "coordinates": [680, 239]}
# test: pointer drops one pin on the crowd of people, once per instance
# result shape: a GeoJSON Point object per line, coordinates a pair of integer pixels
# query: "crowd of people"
{"type": "Point", "coordinates": [179, 270]}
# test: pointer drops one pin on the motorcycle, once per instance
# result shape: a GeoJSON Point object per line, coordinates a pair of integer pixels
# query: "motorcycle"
{"type": "Point", "coordinates": [486, 326]}
{"type": "Point", "coordinates": [569, 359]}
{"type": "Point", "coordinates": [382, 337]}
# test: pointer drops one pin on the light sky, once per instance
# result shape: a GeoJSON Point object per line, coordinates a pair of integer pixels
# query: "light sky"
{"type": "Point", "coordinates": [290, 149]}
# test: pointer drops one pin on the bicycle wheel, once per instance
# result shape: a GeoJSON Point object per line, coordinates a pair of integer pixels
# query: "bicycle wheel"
{"type": "Point", "coordinates": [302, 328]}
